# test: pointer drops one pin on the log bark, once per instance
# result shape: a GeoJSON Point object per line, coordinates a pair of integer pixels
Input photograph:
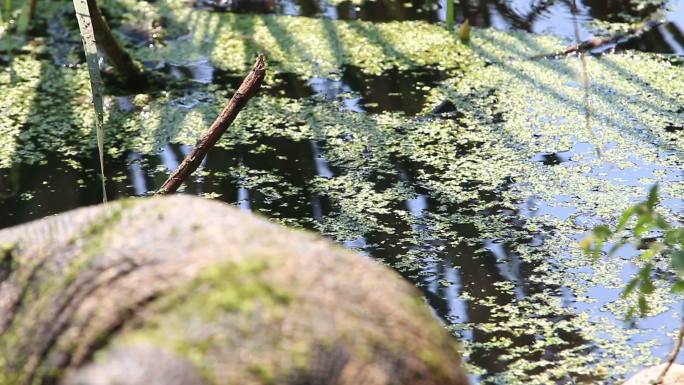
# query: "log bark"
{"type": "Point", "coordinates": [247, 89]}
{"type": "Point", "coordinates": [178, 289]}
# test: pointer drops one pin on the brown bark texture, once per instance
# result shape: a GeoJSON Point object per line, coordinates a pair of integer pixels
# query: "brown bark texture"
{"type": "Point", "coordinates": [247, 89]}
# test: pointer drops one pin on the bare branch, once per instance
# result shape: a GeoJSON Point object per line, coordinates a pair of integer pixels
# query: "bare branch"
{"type": "Point", "coordinates": [249, 86]}
{"type": "Point", "coordinates": [673, 355]}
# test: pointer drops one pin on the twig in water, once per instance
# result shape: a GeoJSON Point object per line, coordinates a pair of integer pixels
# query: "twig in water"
{"type": "Point", "coordinates": [673, 355]}
{"type": "Point", "coordinates": [117, 55]}
{"type": "Point", "coordinates": [598, 42]}
{"type": "Point", "coordinates": [249, 86]}
{"type": "Point", "coordinates": [32, 9]}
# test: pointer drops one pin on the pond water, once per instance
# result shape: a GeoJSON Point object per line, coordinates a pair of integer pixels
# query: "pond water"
{"type": "Point", "coordinates": [561, 18]}
{"type": "Point", "coordinates": [476, 188]}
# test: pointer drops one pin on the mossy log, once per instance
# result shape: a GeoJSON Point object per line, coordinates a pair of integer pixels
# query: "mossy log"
{"type": "Point", "coordinates": [182, 290]}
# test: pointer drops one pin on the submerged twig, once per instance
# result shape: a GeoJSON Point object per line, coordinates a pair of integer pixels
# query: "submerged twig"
{"type": "Point", "coordinates": [32, 9]}
{"type": "Point", "coordinates": [249, 86]}
{"type": "Point", "coordinates": [117, 55]}
{"type": "Point", "coordinates": [614, 39]}
{"type": "Point", "coordinates": [597, 42]}
{"type": "Point", "coordinates": [673, 355]}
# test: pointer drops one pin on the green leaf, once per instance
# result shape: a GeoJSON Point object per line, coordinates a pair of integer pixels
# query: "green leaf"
{"type": "Point", "coordinates": [630, 286]}
{"type": "Point", "coordinates": [596, 241]}
{"type": "Point", "coordinates": [652, 197]}
{"type": "Point", "coordinates": [630, 313]}
{"type": "Point", "coordinates": [644, 223]}
{"type": "Point", "coordinates": [661, 222]}
{"type": "Point", "coordinates": [596, 251]}
{"type": "Point", "coordinates": [464, 31]}
{"type": "Point", "coordinates": [674, 236]}
{"type": "Point", "coordinates": [646, 286]}
{"type": "Point", "coordinates": [645, 271]}
{"type": "Point", "coordinates": [625, 218]}
{"type": "Point", "coordinates": [678, 287]}
{"type": "Point", "coordinates": [654, 249]}
{"type": "Point", "coordinates": [678, 261]}
{"type": "Point", "coordinates": [643, 305]}
{"type": "Point", "coordinates": [587, 243]}
{"type": "Point", "coordinates": [85, 25]}
{"type": "Point", "coordinates": [602, 232]}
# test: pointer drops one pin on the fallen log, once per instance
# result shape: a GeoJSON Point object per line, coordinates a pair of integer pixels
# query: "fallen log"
{"type": "Point", "coordinates": [183, 290]}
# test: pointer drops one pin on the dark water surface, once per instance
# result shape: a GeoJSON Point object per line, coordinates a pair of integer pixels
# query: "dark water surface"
{"type": "Point", "coordinates": [557, 17]}
{"type": "Point", "coordinates": [29, 192]}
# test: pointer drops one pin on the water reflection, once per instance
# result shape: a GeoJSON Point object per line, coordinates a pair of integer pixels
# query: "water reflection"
{"type": "Point", "coordinates": [393, 90]}
{"type": "Point", "coordinates": [273, 175]}
{"type": "Point", "coordinates": [29, 192]}
{"type": "Point", "coordinates": [666, 38]}
{"type": "Point", "coordinates": [537, 16]}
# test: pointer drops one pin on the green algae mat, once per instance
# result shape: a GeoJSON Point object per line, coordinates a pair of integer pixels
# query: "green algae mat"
{"type": "Point", "coordinates": [482, 204]}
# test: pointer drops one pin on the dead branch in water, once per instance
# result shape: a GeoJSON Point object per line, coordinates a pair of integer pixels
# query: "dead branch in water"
{"type": "Point", "coordinates": [32, 9]}
{"type": "Point", "coordinates": [673, 356]}
{"type": "Point", "coordinates": [598, 42]}
{"type": "Point", "coordinates": [249, 86]}
{"type": "Point", "coordinates": [117, 55]}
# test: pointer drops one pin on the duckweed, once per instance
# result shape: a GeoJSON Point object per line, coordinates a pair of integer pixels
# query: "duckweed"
{"type": "Point", "coordinates": [482, 207]}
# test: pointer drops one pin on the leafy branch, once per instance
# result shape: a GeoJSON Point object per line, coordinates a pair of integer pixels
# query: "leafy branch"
{"type": "Point", "coordinates": [646, 220]}
{"type": "Point", "coordinates": [670, 245]}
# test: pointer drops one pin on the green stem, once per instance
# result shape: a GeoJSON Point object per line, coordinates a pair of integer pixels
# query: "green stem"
{"type": "Point", "coordinates": [8, 10]}
{"type": "Point", "coordinates": [86, 25]}
{"type": "Point", "coordinates": [450, 14]}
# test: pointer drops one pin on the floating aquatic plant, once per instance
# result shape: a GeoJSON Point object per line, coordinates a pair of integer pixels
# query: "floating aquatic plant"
{"type": "Point", "coordinates": [507, 181]}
